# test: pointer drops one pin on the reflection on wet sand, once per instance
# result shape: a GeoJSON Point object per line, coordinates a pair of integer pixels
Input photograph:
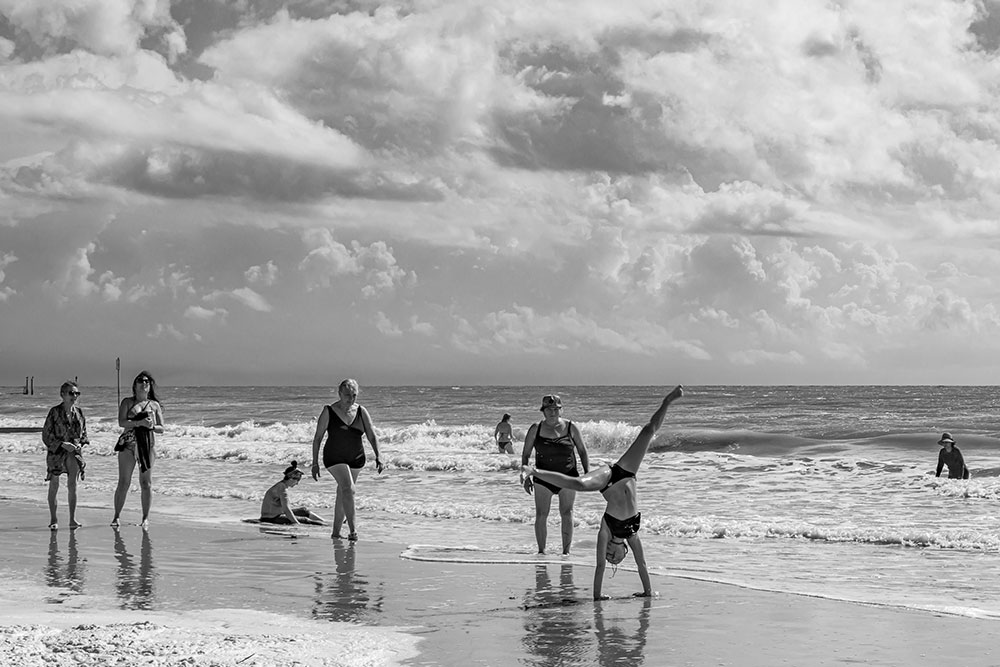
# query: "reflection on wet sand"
{"type": "Point", "coordinates": [344, 596]}
{"type": "Point", "coordinates": [615, 645]}
{"type": "Point", "coordinates": [135, 586]}
{"type": "Point", "coordinates": [68, 574]}
{"type": "Point", "coordinates": [554, 628]}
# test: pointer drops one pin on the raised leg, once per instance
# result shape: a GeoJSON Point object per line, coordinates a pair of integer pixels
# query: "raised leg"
{"type": "Point", "coordinates": [632, 458]}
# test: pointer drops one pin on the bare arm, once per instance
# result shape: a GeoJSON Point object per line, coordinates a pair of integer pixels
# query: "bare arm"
{"type": "Point", "coordinates": [581, 448]}
{"type": "Point", "coordinates": [366, 420]}
{"type": "Point", "coordinates": [640, 563]}
{"type": "Point", "coordinates": [286, 509]}
{"type": "Point", "coordinates": [529, 444]}
{"type": "Point", "coordinates": [603, 535]}
{"type": "Point", "coordinates": [123, 409]}
{"type": "Point", "coordinates": [321, 424]}
{"type": "Point", "coordinates": [156, 418]}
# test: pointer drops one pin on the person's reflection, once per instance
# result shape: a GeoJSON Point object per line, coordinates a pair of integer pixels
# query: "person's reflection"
{"type": "Point", "coordinates": [554, 628]}
{"type": "Point", "coordinates": [615, 646]}
{"type": "Point", "coordinates": [135, 587]}
{"type": "Point", "coordinates": [344, 595]}
{"type": "Point", "coordinates": [64, 575]}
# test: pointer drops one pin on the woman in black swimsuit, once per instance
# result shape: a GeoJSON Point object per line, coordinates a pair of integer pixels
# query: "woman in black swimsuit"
{"type": "Point", "coordinates": [556, 441]}
{"type": "Point", "coordinates": [344, 423]}
{"type": "Point", "coordinates": [620, 524]}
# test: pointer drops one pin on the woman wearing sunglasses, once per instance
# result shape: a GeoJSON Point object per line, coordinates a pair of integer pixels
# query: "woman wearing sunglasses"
{"type": "Point", "coordinates": [141, 415]}
{"type": "Point", "coordinates": [64, 435]}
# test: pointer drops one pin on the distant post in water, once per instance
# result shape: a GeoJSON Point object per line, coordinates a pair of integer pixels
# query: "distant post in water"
{"type": "Point", "coordinates": [32, 385]}
{"type": "Point", "coordinates": [118, 378]}
{"type": "Point", "coordinates": [25, 385]}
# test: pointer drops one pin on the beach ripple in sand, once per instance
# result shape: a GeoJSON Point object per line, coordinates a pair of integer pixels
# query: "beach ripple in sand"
{"type": "Point", "coordinates": [151, 644]}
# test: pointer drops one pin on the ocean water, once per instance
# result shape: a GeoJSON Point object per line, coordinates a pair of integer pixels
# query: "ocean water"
{"type": "Point", "coordinates": [825, 491]}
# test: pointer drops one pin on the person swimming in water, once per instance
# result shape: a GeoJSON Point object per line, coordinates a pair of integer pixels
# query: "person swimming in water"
{"type": "Point", "coordinates": [951, 457]}
{"type": "Point", "coordinates": [275, 507]}
{"type": "Point", "coordinates": [617, 483]}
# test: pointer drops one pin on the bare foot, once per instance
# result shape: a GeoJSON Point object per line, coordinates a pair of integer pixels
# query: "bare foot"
{"type": "Point", "coordinates": [115, 522]}
{"type": "Point", "coordinates": [677, 392]}
{"type": "Point", "coordinates": [74, 525]}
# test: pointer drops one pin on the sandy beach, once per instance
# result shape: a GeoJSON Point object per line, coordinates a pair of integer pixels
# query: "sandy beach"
{"type": "Point", "coordinates": [190, 593]}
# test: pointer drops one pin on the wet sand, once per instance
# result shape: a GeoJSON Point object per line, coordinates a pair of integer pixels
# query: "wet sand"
{"type": "Point", "coordinates": [185, 592]}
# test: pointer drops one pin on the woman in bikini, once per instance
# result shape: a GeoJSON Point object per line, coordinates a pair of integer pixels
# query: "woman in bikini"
{"type": "Point", "coordinates": [556, 442]}
{"type": "Point", "coordinates": [141, 415]}
{"type": "Point", "coordinates": [344, 423]}
{"type": "Point", "coordinates": [275, 507]}
{"type": "Point", "coordinates": [620, 524]}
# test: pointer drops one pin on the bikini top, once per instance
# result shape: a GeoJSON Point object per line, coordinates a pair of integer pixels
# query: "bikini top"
{"type": "Point", "coordinates": [617, 474]}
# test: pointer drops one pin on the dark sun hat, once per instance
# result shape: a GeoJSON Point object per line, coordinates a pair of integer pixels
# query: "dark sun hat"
{"type": "Point", "coordinates": [946, 437]}
{"type": "Point", "coordinates": [551, 401]}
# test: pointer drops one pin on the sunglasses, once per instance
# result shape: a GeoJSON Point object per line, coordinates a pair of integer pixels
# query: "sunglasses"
{"type": "Point", "coordinates": [143, 381]}
{"type": "Point", "coordinates": [72, 393]}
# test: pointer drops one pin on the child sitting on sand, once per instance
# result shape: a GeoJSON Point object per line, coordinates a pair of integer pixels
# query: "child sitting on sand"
{"type": "Point", "coordinates": [620, 524]}
{"type": "Point", "coordinates": [275, 507]}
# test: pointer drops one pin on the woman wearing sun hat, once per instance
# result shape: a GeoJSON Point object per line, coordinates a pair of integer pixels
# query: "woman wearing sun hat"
{"type": "Point", "coordinates": [619, 529]}
{"type": "Point", "coordinates": [556, 443]}
{"type": "Point", "coordinates": [951, 457]}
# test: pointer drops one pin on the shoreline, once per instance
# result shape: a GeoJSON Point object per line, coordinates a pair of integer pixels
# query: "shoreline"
{"type": "Point", "coordinates": [200, 585]}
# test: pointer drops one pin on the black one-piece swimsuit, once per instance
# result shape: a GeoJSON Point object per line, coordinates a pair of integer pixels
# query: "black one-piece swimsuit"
{"type": "Point", "coordinates": [343, 441]}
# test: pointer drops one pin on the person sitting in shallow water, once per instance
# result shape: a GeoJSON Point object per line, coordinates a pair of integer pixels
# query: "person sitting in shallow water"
{"type": "Point", "coordinates": [951, 457]}
{"type": "Point", "coordinates": [617, 483]}
{"type": "Point", "coordinates": [275, 507]}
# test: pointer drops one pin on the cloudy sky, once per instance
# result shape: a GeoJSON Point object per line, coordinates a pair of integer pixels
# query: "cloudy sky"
{"type": "Point", "coordinates": [501, 191]}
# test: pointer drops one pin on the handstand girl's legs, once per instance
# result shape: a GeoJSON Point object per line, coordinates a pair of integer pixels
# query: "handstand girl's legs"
{"type": "Point", "coordinates": [632, 458]}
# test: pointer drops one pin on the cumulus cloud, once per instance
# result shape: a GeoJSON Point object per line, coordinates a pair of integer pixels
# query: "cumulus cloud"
{"type": "Point", "coordinates": [328, 260]}
{"type": "Point", "coordinates": [205, 314]}
{"type": "Point", "coordinates": [73, 280]}
{"type": "Point", "coordinates": [5, 291]}
{"type": "Point", "coordinates": [806, 185]}
{"type": "Point", "coordinates": [106, 27]}
{"type": "Point", "coordinates": [386, 326]}
{"type": "Point", "coordinates": [266, 275]}
{"type": "Point", "coordinates": [243, 295]}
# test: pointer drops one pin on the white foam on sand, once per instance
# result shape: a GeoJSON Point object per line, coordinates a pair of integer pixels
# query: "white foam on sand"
{"type": "Point", "coordinates": [36, 630]}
